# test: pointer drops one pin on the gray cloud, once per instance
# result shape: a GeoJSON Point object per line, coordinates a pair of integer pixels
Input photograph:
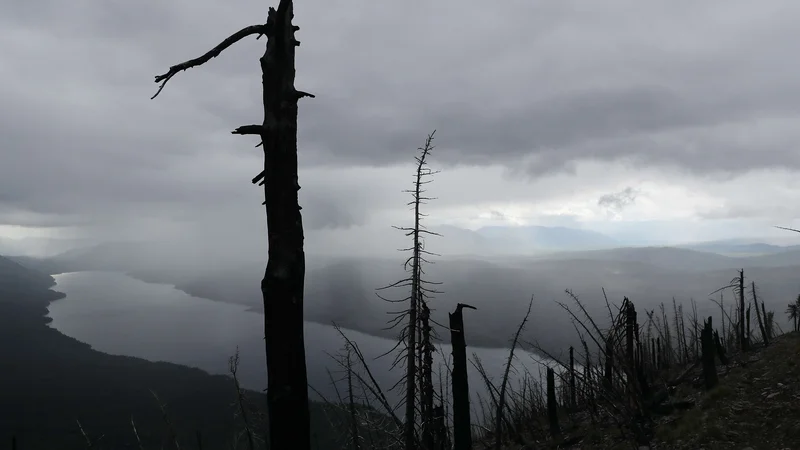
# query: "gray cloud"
{"type": "Point", "coordinates": [535, 86]}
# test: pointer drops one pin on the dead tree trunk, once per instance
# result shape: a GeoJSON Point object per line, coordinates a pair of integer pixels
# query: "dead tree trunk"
{"type": "Point", "coordinates": [588, 379]}
{"type": "Point", "coordinates": [660, 354]}
{"type": "Point", "coordinates": [767, 322]}
{"type": "Point", "coordinates": [747, 329]}
{"type": "Point", "coordinates": [742, 335]}
{"type": "Point", "coordinates": [764, 336]}
{"type": "Point", "coordinates": [428, 435]}
{"type": "Point", "coordinates": [572, 394]}
{"type": "Point", "coordinates": [462, 429]}
{"type": "Point", "coordinates": [722, 318]}
{"type": "Point", "coordinates": [654, 355]}
{"type": "Point", "coordinates": [440, 429]}
{"type": "Point", "coordinates": [413, 332]}
{"type": "Point", "coordinates": [630, 328]}
{"type": "Point", "coordinates": [708, 346]}
{"type": "Point", "coordinates": [351, 403]}
{"type": "Point", "coordinates": [282, 286]}
{"type": "Point", "coordinates": [552, 406]}
{"type": "Point", "coordinates": [720, 349]}
{"type": "Point", "coordinates": [609, 372]}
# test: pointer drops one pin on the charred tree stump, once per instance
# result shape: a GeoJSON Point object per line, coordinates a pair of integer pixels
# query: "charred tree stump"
{"type": "Point", "coordinates": [552, 406]}
{"type": "Point", "coordinates": [708, 347]}
{"type": "Point", "coordinates": [462, 429]}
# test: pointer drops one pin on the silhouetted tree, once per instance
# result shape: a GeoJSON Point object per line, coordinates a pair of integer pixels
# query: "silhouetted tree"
{"type": "Point", "coordinates": [283, 282]}
{"type": "Point", "coordinates": [709, 348]}
{"type": "Point", "coordinates": [462, 430]}
{"type": "Point", "coordinates": [552, 406]}
{"type": "Point", "coordinates": [416, 333]}
{"type": "Point", "coordinates": [572, 393]}
{"type": "Point", "coordinates": [740, 292]}
{"type": "Point", "coordinates": [764, 336]}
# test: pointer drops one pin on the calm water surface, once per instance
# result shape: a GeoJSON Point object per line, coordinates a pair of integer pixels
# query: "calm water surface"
{"type": "Point", "coordinates": [117, 314]}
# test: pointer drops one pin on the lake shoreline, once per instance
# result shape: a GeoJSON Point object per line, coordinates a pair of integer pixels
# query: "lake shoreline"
{"type": "Point", "coordinates": [157, 322]}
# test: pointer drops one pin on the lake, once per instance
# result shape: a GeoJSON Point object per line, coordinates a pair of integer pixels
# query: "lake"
{"type": "Point", "coordinates": [120, 315]}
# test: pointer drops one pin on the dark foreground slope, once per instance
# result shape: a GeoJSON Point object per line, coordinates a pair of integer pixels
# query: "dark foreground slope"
{"type": "Point", "coordinates": [756, 404]}
{"type": "Point", "coordinates": [49, 382]}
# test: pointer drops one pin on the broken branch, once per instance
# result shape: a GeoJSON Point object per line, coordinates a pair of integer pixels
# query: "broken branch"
{"type": "Point", "coordinates": [258, 177]}
{"type": "Point", "coordinates": [213, 53]}
{"type": "Point", "coordinates": [250, 129]}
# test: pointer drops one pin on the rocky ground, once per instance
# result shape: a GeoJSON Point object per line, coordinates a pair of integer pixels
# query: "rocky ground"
{"type": "Point", "coordinates": [755, 406]}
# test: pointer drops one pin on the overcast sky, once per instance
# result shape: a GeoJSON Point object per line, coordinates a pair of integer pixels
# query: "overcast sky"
{"type": "Point", "coordinates": [676, 118]}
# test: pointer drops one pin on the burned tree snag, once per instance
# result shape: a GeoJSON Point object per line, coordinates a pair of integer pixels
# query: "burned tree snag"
{"type": "Point", "coordinates": [767, 325]}
{"type": "Point", "coordinates": [416, 334]}
{"type": "Point", "coordinates": [655, 353]}
{"type": "Point", "coordinates": [720, 349]}
{"type": "Point", "coordinates": [609, 373]}
{"type": "Point", "coordinates": [283, 282]}
{"type": "Point", "coordinates": [572, 394]}
{"type": "Point", "coordinates": [709, 349]}
{"type": "Point", "coordinates": [426, 378]}
{"type": "Point", "coordinates": [552, 406]}
{"type": "Point", "coordinates": [660, 354]}
{"type": "Point", "coordinates": [742, 335]}
{"type": "Point", "coordinates": [462, 429]}
{"type": "Point", "coordinates": [630, 333]}
{"type": "Point", "coordinates": [747, 328]}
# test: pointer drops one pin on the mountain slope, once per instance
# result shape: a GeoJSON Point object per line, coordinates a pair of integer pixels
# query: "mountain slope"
{"type": "Point", "coordinates": [48, 380]}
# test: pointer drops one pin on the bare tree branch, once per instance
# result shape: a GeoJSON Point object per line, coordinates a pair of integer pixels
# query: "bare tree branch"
{"type": "Point", "coordinates": [213, 53]}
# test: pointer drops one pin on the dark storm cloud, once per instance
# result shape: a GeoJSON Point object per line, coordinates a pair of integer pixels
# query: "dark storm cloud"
{"type": "Point", "coordinates": [706, 87]}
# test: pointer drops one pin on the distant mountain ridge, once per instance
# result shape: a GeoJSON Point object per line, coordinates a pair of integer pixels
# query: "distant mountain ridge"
{"type": "Point", "coordinates": [536, 237]}
{"type": "Point", "coordinates": [736, 247]}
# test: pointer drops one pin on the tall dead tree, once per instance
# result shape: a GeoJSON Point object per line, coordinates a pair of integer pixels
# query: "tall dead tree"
{"type": "Point", "coordinates": [416, 333]}
{"type": "Point", "coordinates": [761, 326]}
{"type": "Point", "coordinates": [740, 291]}
{"type": "Point", "coordinates": [462, 429]}
{"type": "Point", "coordinates": [284, 277]}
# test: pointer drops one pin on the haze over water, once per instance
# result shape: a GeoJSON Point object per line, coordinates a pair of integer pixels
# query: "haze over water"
{"type": "Point", "coordinates": [117, 314]}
